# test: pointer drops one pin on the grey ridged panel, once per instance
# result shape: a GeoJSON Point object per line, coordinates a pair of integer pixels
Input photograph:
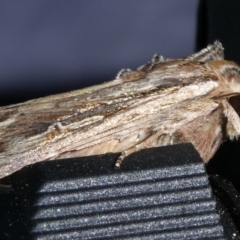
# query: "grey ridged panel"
{"type": "Point", "coordinates": [166, 203]}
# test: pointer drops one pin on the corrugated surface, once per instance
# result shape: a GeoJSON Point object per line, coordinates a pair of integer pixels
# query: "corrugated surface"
{"type": "Point", "coordinates": [162, 203]}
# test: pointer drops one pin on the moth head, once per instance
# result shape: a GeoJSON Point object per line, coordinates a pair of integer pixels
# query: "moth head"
{"type": "Point", "coordinates": [231, 74]}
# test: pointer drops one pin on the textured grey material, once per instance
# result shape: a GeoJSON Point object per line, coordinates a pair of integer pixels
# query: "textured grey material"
{"type": "Point", "coordinates": [104, 180]}
{"type": "Point", "coordinates": [172, 202]}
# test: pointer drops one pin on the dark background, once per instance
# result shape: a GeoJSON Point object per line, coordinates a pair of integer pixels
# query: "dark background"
{"type": "Point", "coordinates": [48, 47]}
{"type": "Point", "coordinates": [220, 19]}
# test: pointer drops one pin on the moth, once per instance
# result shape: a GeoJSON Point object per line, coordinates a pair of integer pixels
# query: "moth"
{"type": "Point", "coordinates": [166, 101]}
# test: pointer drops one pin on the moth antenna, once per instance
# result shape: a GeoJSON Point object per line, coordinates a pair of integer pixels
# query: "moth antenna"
{"type": "Point", "coordinates": [211, 52]}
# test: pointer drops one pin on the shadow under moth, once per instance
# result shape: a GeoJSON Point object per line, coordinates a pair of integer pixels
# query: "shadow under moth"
{"type": "Point", "coordinates": [166, 101]}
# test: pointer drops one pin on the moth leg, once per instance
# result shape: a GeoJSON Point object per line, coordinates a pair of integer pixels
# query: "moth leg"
{"type": "Point", "coordinates": [233, 124]}
{"type": "Point", "coordinates": [156, 139]}
{"type": "Point", "coordinates": [123, 155]}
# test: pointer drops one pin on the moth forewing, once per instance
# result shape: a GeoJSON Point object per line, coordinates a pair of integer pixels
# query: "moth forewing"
{"type": "Point", "coordinates": [164, 102]}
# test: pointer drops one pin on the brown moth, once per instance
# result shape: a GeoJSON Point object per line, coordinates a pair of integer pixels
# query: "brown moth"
{"type": "Point", "coordinates": [164, 102]}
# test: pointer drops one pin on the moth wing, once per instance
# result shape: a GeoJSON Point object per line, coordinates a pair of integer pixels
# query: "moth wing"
{"type": "Point", "coordinates": [48, 127]}
{"type": "Point", "coordinates": [26, 124]}
{"type": "Point", "coordinates": [205, 133]}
